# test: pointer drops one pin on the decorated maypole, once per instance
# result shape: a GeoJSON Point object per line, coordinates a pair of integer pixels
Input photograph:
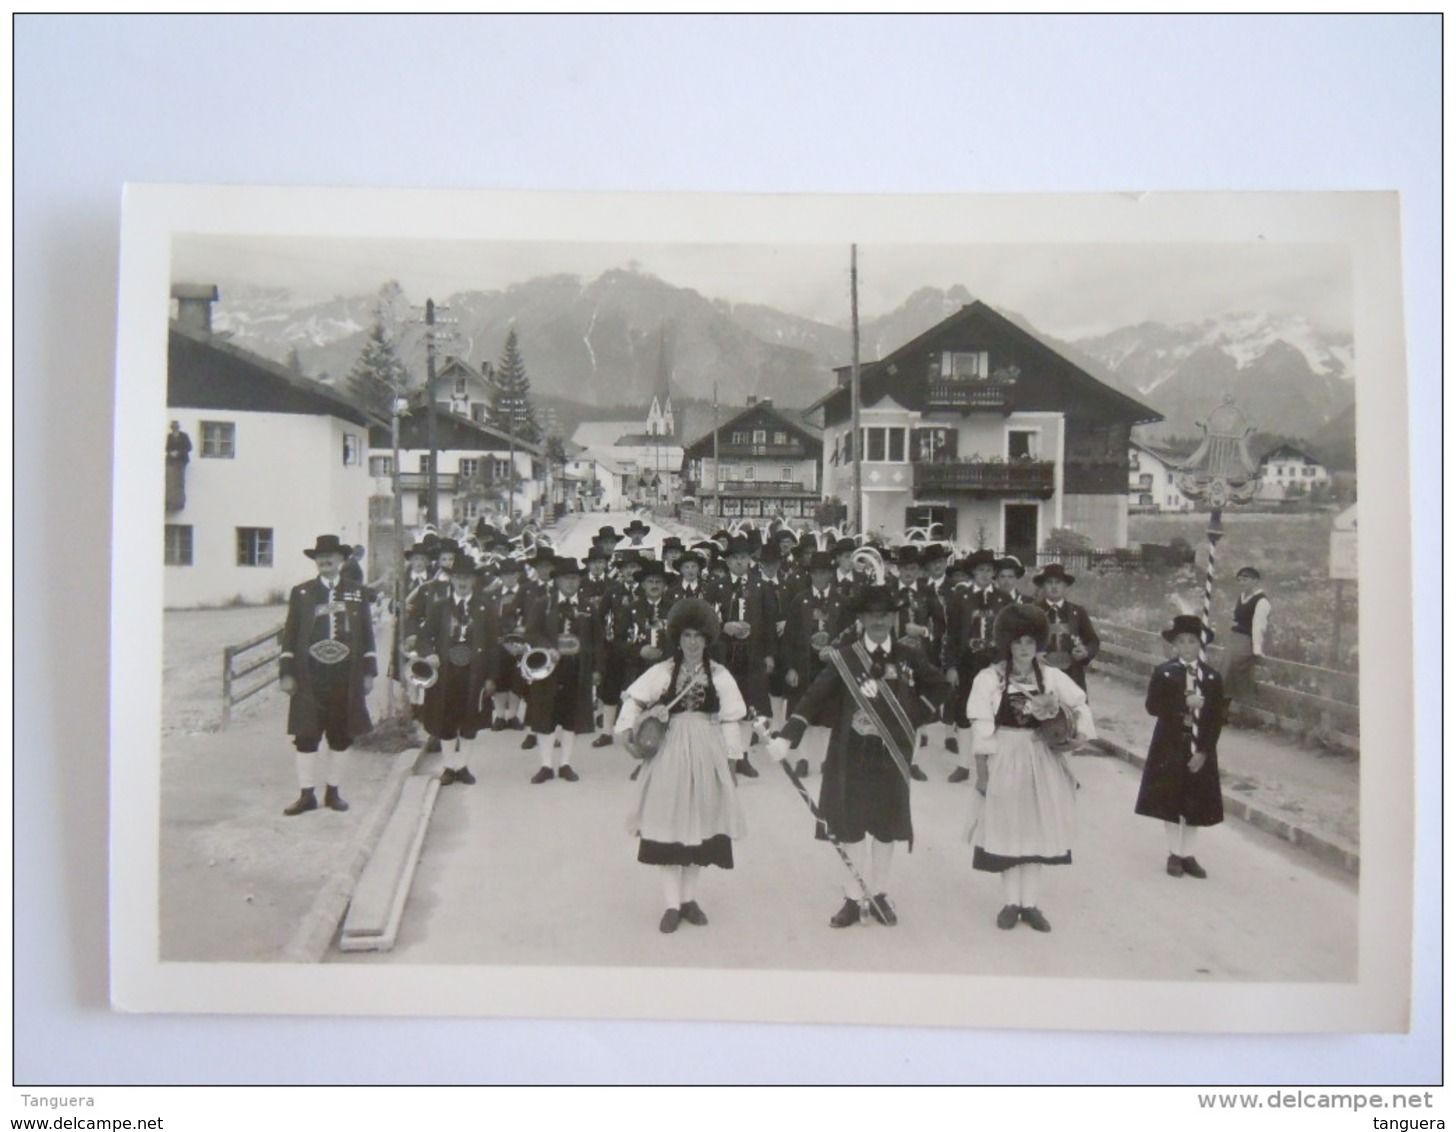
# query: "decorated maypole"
{"type": "Point", "coordinates": [1220, 472]}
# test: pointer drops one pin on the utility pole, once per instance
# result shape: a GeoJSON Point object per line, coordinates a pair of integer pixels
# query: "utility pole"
{"type": "Point", "coordinates": [857, 510]}
{"type": "Point", "coordinates": [717, 483]}
{"type": "Point", "coordinates": [433, 509]}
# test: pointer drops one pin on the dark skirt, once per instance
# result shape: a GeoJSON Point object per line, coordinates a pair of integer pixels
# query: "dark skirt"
{"type": "Point", "coordinates": [716, 850]}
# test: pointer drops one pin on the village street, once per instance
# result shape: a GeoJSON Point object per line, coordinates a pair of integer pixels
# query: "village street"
{"type": "Point", "coordinates": [514, 873]}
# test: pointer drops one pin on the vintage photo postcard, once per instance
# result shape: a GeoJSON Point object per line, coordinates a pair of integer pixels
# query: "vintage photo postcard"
{"type": "Point", "coordinates": [916, 610]}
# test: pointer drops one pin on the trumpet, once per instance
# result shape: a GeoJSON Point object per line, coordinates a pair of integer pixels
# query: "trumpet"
{"type": "Point", "coordinates": [424, 673]}
{"type": "Point", "coordinates": [538, 663]}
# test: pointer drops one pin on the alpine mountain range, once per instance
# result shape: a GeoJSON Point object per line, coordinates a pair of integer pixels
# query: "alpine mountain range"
{"type": "Point", "coordinates": [606, 342]}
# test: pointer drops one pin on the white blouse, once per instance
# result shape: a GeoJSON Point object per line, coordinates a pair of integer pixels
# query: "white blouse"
{"type": "Point", "coordinates": [985, 700]}
{"type": "Point", "coordinates": [650, 687]}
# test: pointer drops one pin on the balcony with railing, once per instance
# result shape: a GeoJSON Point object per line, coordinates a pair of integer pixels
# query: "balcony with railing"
{"type": "Point", "coordinates": [769, 451]}
{"type": "Point", "coordinates": [967, 396]}
{"type": "Point", "coordinates": [986, 478]}
{"type": "Point", "coordinates": [420, 481]}
{"type": "Point", "coordinates": [764, 488]}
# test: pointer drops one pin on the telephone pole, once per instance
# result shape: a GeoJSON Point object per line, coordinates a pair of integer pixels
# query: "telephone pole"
{"type": "Point", "coordinates": [857, 510]}
{"type": "Point", "coordinates": [433, 508]}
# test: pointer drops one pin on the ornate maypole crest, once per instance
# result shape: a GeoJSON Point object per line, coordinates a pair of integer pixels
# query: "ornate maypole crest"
{"type": "Point", "coordinates": [1219, 472]}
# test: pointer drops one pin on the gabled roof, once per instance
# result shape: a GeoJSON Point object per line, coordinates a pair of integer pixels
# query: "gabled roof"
{"type": "Point", "coordinates": [877, 377]}
{"type": "Point", "coordinates": [771, 413]}
{"type": "Point", "coordinates": [206, 372]}
{"type": "Point", "coordinates": [1165, 455]}
{"type": "Point", "coordinates": [453, 433]}
{"type": "Point", "coordinates": [1286, 451]}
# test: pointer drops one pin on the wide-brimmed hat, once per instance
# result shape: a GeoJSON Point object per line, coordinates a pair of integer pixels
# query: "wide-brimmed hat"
{"type": "Point", "coordinates": [1054, 571]}
{"type": "Point", "coordinates": [875, 599]}
{"type": "Point", "coordinates": [739, 545]}
{"type": "Point", "coordinates": [934, 552]}
{"type": "Point", "coordinates": [608, 532]}
{"type": "Point", "coordinates": [598, 554]}
{"type": "Point", "coordinates": [420, 548]}
{"type": "Point", "coordinates": [637, 525]}
{"type": "Point", "coordinates": [908, 555]}
{"type": "Point", "coordinates": [566, 566]}
{"type": "Point", "coordinates": [821, 560]}
{"type": "Point", "coordinates": [446, 546]}
{"type": "Point", "coordinates": [1188, 623]}
{"type": "Point", "coordinates": [692, 556]}
{"type": "Point", "coordinates": [544, 554]}
{"type": "Point", "coordinates": [845, 546]}
{"type": "Point", "coordinates": [328, 544]}
{"type": "Point", "coordinates": [1010, 562]}
{"type": "Point", "coordinates": [769, 552]}
{"type": "Point", "coordinates": [652, 568]}
{"type": "Point", "coordinates": [982, 557]}
{"type": "Point", "coordinates": [672, 542]}
{"type": "Point", "coordinates": [692, 613]}
{"type": "Point", "coordinates": [1021, 620]}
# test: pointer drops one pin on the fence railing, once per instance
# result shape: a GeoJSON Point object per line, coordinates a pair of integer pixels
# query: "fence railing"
{"type": "Point", "coordinates": [1297, 697]}
{"type": "Point", "coordinates": [255, 662]}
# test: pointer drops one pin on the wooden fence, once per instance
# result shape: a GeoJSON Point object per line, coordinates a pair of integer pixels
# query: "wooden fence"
{"type": "Point", "coordinates": [272, 640]}
{"type": "Point", "coordinates": [1316, 702]}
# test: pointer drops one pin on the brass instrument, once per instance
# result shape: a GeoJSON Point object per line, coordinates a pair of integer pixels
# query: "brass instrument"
{"type": "Point", "coordinates": [538, 663]}
{"type": "Point", "coordinates": [424, 673]}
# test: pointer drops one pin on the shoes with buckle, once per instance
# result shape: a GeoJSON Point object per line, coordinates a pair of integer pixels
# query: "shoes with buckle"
{"type": "Point", "coordinates": [960, 774]}
{"type": "Point", "coordinates": [1007, 917]}
{"type": "Point", "coordinates": [883, 911]}
{"type": "Point", "coordinates": [801, 768]}
{"type": "Point", "coordinates": [529, 742]}
{"type": "Point", "coordinates": [693, 914]}
{"type": "Point", "coordinates": [1033, 918]}
{"type": "Point", "coordinates": [602, 741]}
{"type": "Point", "coordinates": [669, 922]}
{"type": "Point", "coordinates": [448, 776]}
{"type": "Point", "coordinates": [848, 914]}
{"type": "Point", "coordinates": [917, 774]}
{"type": "Point", "coordinates": [464, 776]}
{"type": "Point", "coordinates": [1193, 869]}
{"type": "Point", "coordinates": [567, 773]}
{"type": "Point", "coordinates": [745, 768]}
{"type": "Point", "coordinates": [333, 801]}
{"type": "Point", "coordinates": [545, 774]}
{"type": "Point", "coordinates": [305, 802]}
{"type": "Point", "coordinates": [1175, 865]}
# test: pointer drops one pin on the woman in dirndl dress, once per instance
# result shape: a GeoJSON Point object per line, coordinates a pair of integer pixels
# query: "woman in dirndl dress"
{"type": "Point", "coordinates": [1027, 791]}
{"type": "Point", "coordinates": [687, 811]}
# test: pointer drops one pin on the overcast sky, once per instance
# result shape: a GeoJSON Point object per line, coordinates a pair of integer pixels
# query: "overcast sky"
{"type": "Point", "coordinates": [1067, 290]}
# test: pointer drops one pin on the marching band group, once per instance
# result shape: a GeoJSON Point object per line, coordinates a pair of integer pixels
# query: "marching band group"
{"type": "Point", "coordinates": [830, 652]}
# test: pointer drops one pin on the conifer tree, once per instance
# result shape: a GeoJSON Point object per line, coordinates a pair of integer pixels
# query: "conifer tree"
{"type": "Point", "coordinates": [513, 411]}
{"type": "Point", "coordinates": [378, 376]}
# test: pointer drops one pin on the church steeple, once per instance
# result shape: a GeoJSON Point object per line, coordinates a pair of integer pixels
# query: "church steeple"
{"type": "Point", "coordinates": [660, 416]}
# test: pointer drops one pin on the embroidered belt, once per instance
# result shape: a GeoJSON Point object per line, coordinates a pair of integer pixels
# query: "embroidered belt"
{"type": "Point", "coordinates": [329, 652]}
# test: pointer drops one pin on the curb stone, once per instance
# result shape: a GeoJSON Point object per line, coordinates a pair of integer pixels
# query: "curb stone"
{"type": "Point", "coordinates": [316, 931]}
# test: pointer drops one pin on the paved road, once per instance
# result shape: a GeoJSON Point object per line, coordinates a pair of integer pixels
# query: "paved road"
{"type": "Point", "coordinates": [517, 874]}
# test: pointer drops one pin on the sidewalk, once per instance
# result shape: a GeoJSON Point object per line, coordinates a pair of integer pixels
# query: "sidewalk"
{"type": "Point", "coordinates": [1307, 797]}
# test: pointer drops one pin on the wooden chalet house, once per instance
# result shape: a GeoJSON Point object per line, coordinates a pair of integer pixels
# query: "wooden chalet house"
{"type": "Point", "coordinates": [768, 465]}
{"type": "Point", "coordinates": [978, 426]}
{"type": "Point", "coordinates": [1290, 473]}
{"type": "Point", "coordinates": [1152, 479]}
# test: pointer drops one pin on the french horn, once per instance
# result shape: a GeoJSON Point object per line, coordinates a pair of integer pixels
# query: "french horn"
{"type": "Point", "coordinates": [424, 673]}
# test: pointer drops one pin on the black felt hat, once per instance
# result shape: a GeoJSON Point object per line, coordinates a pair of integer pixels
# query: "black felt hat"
{"type": "Point", "coordinates": [875, 599]}
{"type": "Point", "coordinates": [328, 544]}
{"type": "Point", "coordinates": [1054, 571]}
{"type": "Point", "coordinates": [566, 567]}
{"type": "Point", "coordinates": [1010, 562]}
{"type": "Point", "coordinates": [1188, 623]}
{"type": "Point", "coordinates": [821, 560]}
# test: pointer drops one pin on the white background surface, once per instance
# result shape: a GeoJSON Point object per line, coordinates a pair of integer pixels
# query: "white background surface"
{"type": "Point", "coordinates": [722, 104]}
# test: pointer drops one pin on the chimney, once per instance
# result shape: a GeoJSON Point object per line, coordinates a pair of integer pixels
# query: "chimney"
{"type": "Point", "coordinates": [194, 306]}
{"type": "Point", "coordinates": [752, 400]}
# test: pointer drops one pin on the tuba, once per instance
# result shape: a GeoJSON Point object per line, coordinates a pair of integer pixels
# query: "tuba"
{"type": "Point", "coordinates": [538, 663]}
{"type": "Point", "coordinates": [424, 673]}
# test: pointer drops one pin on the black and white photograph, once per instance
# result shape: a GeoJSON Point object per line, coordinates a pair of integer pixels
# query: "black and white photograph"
{"type": "Point", "coordinates": [985, 611]}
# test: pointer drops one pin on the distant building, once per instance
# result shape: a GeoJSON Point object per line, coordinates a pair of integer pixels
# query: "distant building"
{"type": "Point", "coordinates": [765, 463]}
{"type": "Point", "coordinates": [979, 427]}
{"type": "Point", "coordinates": [276, 461]}
{"type": "Point", "coordinates": [473, 477]}
{"type": "Point", "coordinates": [1152, 483]}
{"type": "Point", "coordinates": [1290, 473]}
